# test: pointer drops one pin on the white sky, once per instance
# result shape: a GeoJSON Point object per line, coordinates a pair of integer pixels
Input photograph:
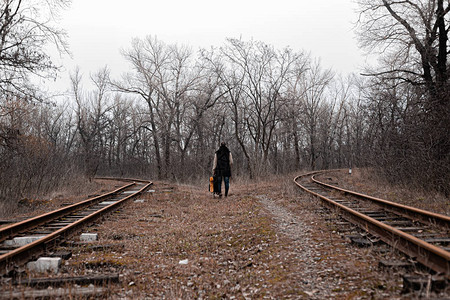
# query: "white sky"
{"type": "Point", "coordinates": [99, 29]}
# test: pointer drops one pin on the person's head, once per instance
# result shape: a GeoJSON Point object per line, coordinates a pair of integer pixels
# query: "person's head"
{"type": "Point", "coordinates": [223, 144]}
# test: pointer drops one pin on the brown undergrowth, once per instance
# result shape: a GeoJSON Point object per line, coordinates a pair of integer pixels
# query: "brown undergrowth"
{"type": "Point", "coordinates": [264, 241]}
{"type": "Point", "coordinates": [183, 243]}
{"type": "Point", "coordinates": [267, 240]}
{"type": "Point", "coordinates": [368, 182]}
{"type": "Point", "coordinates": [72, 192]}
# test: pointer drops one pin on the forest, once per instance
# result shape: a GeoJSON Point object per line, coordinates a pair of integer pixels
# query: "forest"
{"type": "Point", "coordinates": [279, 110]}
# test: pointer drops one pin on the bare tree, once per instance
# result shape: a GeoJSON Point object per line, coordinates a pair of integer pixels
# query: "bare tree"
{"type": "Point", "coordinates": [26, 28]}
{"type": "Point", "coordinates": [356, 124]}
{"type": "Point", "coordinates": [294, 109]}
{"type": "Point", "coordinates": [315, 85]}
{"type": "Point", "coordinates": [33, 155]}
{"type": "Point", "coordinates": [255, 76]}
{"type": "Point", "coordinates": [91, 110]}
{"type": "Point", "coordinates": [414, 38]}
{"type": "Point", "coordinates": [203, 96]}
{"type": "Point", "coordinates": [146, 58]}
{"type": "Point", "coordinates": [231, 81]}
{"type": "Point", "coordinates": [166, 77]}
{"type": "Point", "coordinates": [335, 142]}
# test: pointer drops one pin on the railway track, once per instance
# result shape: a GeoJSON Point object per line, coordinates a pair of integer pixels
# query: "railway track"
{"type": "Point", "coordinates": [422, 235]}
{"type": "Point", "coordinates": [26, 240]}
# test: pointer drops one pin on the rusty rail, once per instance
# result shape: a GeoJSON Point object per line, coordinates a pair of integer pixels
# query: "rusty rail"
{"type": "Point", "coordinates": [427, 254]}
{"type": "Point", "coordinates": [30, 251]}
{"type": "Point", "coordinates": [411, 212]}
{"type": "Point", "coordinates": [7, 231]}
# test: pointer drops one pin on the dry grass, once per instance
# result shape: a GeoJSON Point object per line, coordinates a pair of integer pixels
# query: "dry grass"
{"type": "Point", "coordinates": [240, 247]}
{"type": "Point", "coordinates": [233, 246]}
{"type": "Point", "coordinates": [365, 181]}
{"type": "Point", "coordinates": [222, 239]}
{"type": "Point", "coordinates": [72, 192]}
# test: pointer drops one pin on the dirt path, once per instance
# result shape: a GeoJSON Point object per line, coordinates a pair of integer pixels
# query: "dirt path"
{"type": "Point", "coordinates": [303, 249]}
{"type": "Point", "coordinates": [323, 264]}
{"type": "Point", "coordinates": [306, 256]}
{"type": "Point", "coordinates": [265, 241]}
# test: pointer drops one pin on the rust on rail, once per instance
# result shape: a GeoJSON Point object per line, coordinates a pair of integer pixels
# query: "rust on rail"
{"type": "Point", "coordinates": [22, 226]}
{"type": "Point", "coordinates": [427, 254]}
{"type": "Point", "coordinates": [30, 251]}
{"type": "Point", "coordinates": [412, 212]}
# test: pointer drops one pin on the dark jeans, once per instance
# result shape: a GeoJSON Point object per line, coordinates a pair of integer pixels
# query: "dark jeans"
{"type": "Point", "coordinates": [227, 184]}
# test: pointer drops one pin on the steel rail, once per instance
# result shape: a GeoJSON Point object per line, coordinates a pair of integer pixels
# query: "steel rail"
{"type": "Point", "coordinates": [122, 179]}
{"type": "Point", "coordinates": [412, 212]}
{"type": "Point", "coordinates": [429, 255]}
{"type": "Point", "coordinates": [30, 251]}
{"type": "Point", "coordinates": [19, 227]}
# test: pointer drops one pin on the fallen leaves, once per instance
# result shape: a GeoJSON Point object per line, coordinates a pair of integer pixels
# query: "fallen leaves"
{"type": "Point", "coordinates": [266, 240]}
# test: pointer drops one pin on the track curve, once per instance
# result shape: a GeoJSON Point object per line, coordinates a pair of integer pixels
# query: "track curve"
{"type": "Point", "coordinates": [420, 234]}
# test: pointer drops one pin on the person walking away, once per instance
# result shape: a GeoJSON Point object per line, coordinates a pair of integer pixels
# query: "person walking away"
{"type": "Point", "coordinates": [222, 168]}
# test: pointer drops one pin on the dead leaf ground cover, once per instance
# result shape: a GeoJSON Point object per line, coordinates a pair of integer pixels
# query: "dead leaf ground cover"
{"type": "Point", "coordinates": [265, 241]}
{"type": "Point", "coordinates": [370, 183]}
{"type": "Point", "coordinates": [73, 192]}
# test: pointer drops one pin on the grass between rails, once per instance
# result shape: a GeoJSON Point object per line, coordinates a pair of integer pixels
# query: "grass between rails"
{"type": "Point", "coordinates": [367, 182]}
{"type": "Point", "coordinates": [231, 246]}
{"type": "Point", "coordinates": [75, 191]}
{"type": "Point", "coordinates": [235, 247]}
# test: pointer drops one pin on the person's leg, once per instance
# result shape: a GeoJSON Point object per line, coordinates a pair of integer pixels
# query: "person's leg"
{"type": "Point", "coordinates": [219, 185]}
{"type": "Point", "coordinates": [227, 185]}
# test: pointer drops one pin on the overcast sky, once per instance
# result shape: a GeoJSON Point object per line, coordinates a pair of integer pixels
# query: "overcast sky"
{"type": "Point", "coordinates": [99, 29]}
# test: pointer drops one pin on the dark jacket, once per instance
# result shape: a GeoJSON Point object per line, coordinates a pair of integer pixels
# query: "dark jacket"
{"type": "Point", "coordinates": [223, 165]}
